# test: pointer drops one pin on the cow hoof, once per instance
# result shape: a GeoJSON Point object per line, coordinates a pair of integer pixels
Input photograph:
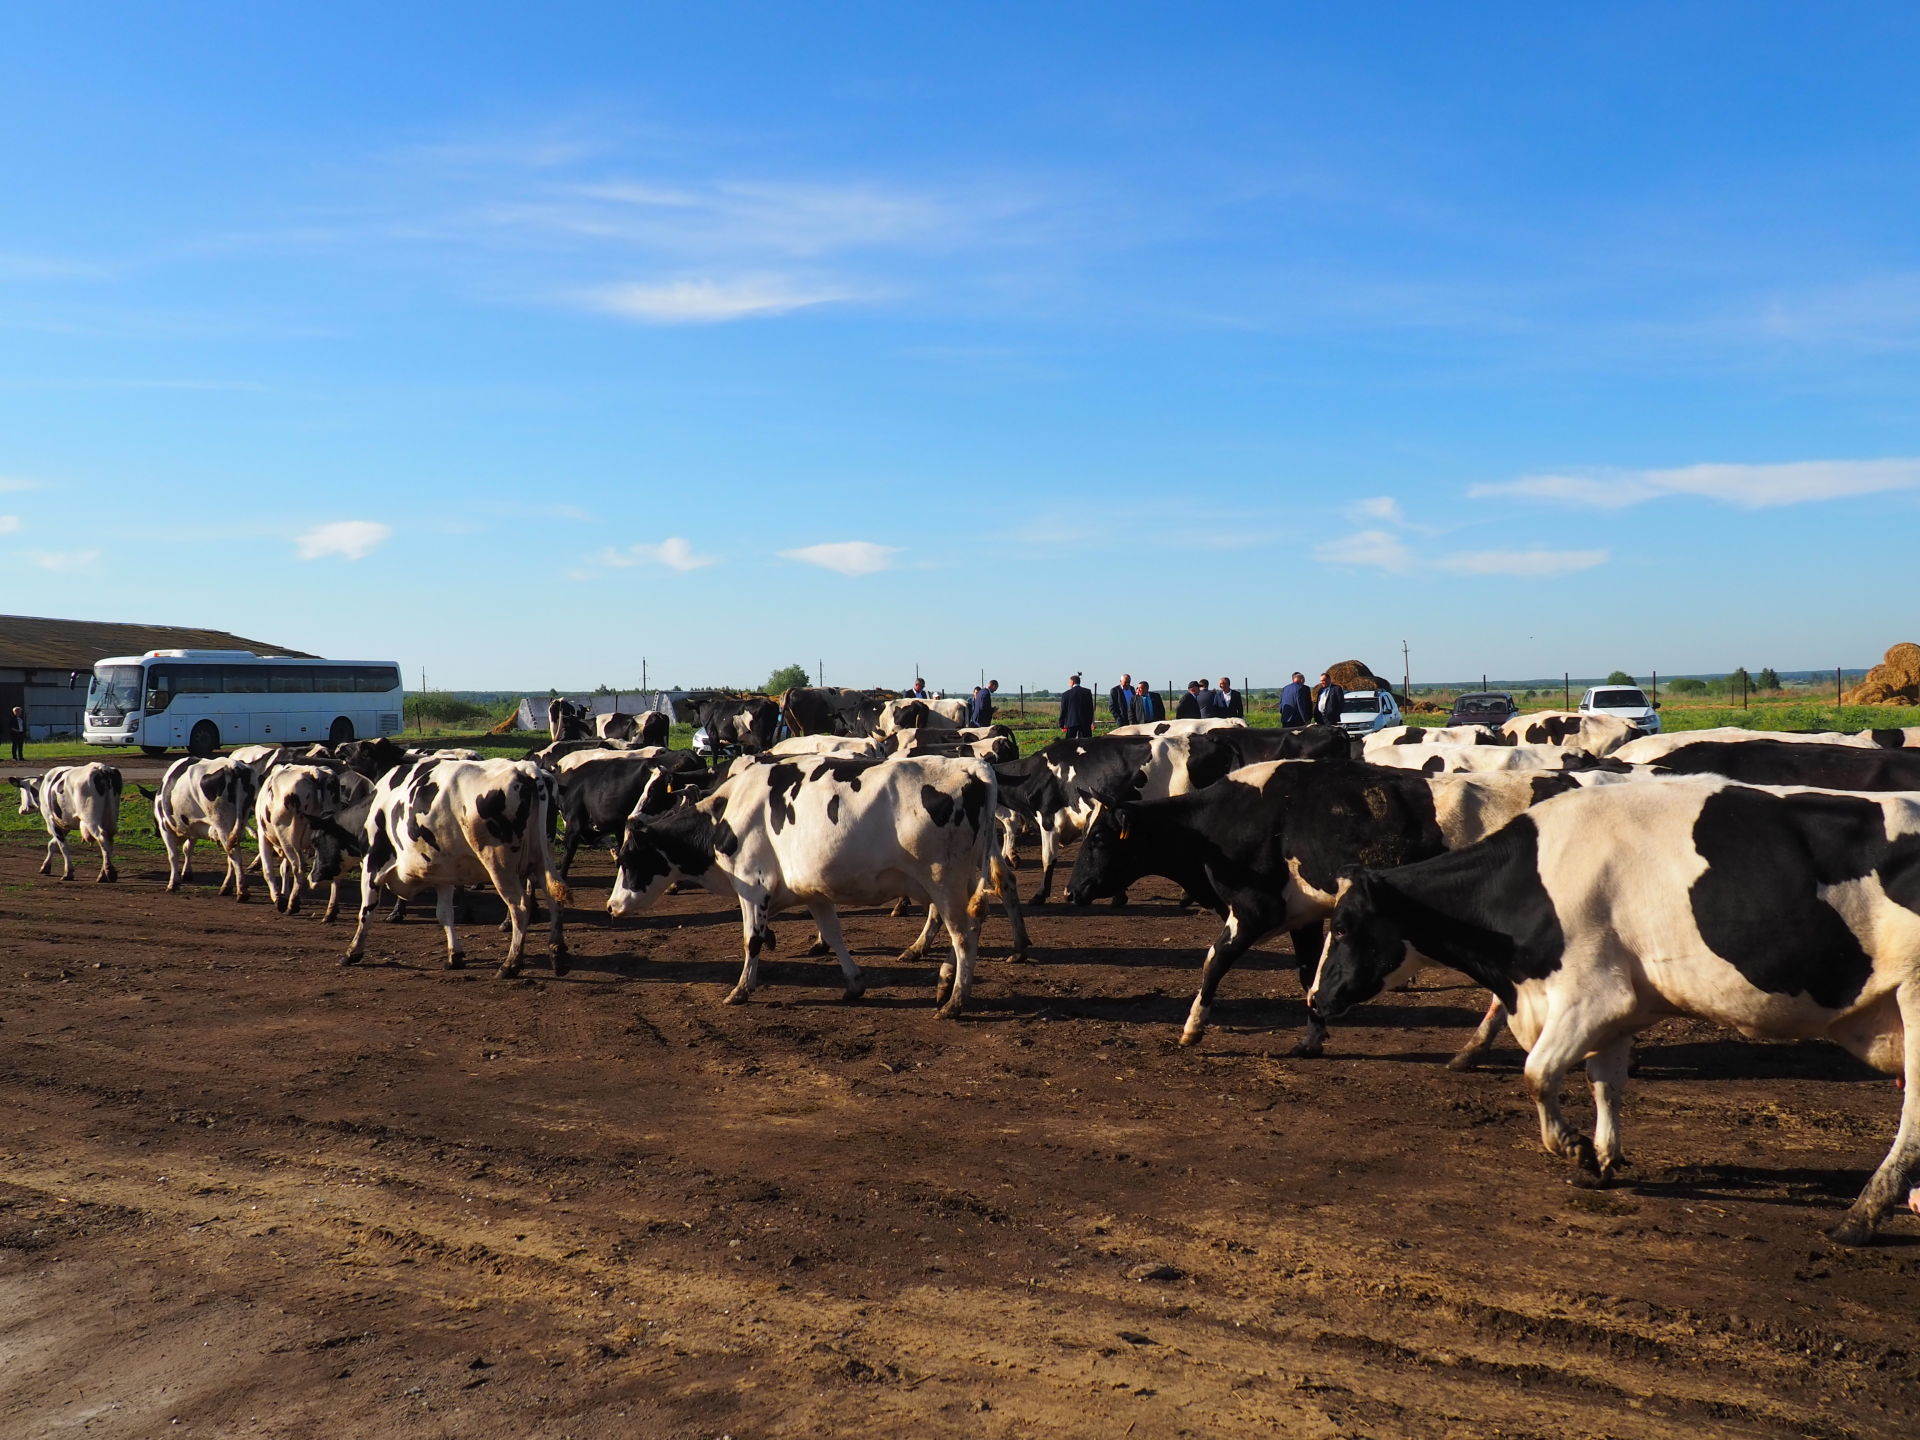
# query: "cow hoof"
{"type": "Point", "coordinates": [349, 959]}
{"type": "Point", "coordinates": [1464, 1061]}
{"type": "Point", "coordinates": [458, 962]}
{"type": "Point", "coordinates": [736, 996]}
{"type": "Point", "coordinates": [505, 972]}
{"type": "Point", "coordinates": [853, 992]}
{"type": "Point", "coordinates": [111, 877]}
{"type": "Point", "coordinates": [948, 1011]}
{"type": "Point", "coordinates": [1039, 899]}
{"type": "Point", "coordinates": [819, 947]}
{"type": "Point", "coordinates": [1193, 1037]}
{"type": "Point", "coordinates": [560, 966]}
{"type": "Point", "coordinates": [1851, 1231]}
{"type": "Point", "coordinates": [46, 869]}
{"type": "Point", "coordinates": [1018, 957]}
{"type": "Point", "coordinates": [1590, 1180]}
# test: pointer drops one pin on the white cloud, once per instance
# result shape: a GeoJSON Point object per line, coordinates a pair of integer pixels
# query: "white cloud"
{"type": "Point", "coordinates": [1378, 507]}
{"type": "Point", "coordinates": [10, 484]}
{"type": "Point", "coordinates": [711, 302]}
{"type": "Point", "coordinates": [65, 562]}
{"type": "Point", "coordinates": [1527, 564]}
{"type": "Point", "coordinates": [673, 552]}
{"type": "Point", "coordinates": [349, 539]}
{"type": "Point", "coordinates": [846, 557]}
{"type": "Point", "coordinates": [1752, 487]}
{"type": "Point", "coordinates": [9, 524]}
{"type": "Point", "coordinates": [1371, 549]}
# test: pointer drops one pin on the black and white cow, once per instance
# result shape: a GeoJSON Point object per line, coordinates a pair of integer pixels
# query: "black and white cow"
{"type": "Point", "coordinates": [1574, 729]}
{"type": "Point", "coordinates": [75, 797]}
{"type": "Point", "coordinates": [1488, 759]}
{"type": "Point", "coordinates": [829, 710]}
{"type": "Point", "coordinates": [911, 714]}
{"type": "Point", "coordinates": [975, 744]}
{"type": "Point", "coordinates": [599, 789]}
{"type": "Point", "coordinates": [1265, 849]}
{"type": "Point", "coordinates": [205, 800]}
{"type": "Point", "coordinates": [1433, 735]}
{"type": "Point", "coordinates": [649, 727]}
{"type": "Point", "coordinates": [817, 744]}
{"type": "Point", "coordinates": [372, 758]}
{"type": "Point", "coordinates": [1782, 915]}
{"type": "Point", "coordinates": [821, 833]}
{"type": "Point", "coordinates": [1653, 749]}
{"type": "Point", "coordinates": [438, 824]}
{"type": "Point", "coordinates": [292, 800]}
{"type": "Point", "coordinates": [567, 721]}
{"type": "Point", "coordinates": [1154, 728]}
{"type": "Point", "coordinates": [745, 723]}
{"type": "Point", "coordinates": [1778, 762]}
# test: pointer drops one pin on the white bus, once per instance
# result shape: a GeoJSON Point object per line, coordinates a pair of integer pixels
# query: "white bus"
{"type": "Point", "coordinates": [200, 700]}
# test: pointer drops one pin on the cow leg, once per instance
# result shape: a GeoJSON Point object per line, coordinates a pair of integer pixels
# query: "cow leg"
{"type": "Point", "coordinates": [399, 911]}
{"type": "Point", "coordinates": [1236, 936]}
{"type": "Point", "coordinates": [328, 915]}
{"type": "Point", "coordinates": [56, 846]}
{"type": "Point", "coordinates": [1607, 1071]}
{"type": "Point", "coordinates": [269, 862]}
{"type": "Point", "coordinates": [1483, 1038]}
{"type": "Point", "coordinates": [443, 912]}
{"type": "Point", "coordinates": [236, 868]}
{"type": "Point", "coordinates": [1308, 942]}
{"type": "Point", "coordinates": [963, 930]}
{"type": "Point", "coordinates": [923, 940]}
{"type": "Point", "coordinates": [108, 872]}
{"type": "Point", "coordinates": [1562, 1041]}
{"type": "Point", "coordinates": [175, 870]}
{"type": "Point", "coordinates": [1900, 1171]}
{"type": "Point", "coordinates": [1049, 857]}
{"type": "Point", "coordinates": [828, 920]}
{"type": "Point", "coordinates": [357, 946]}
{"type": "Point", "coordinates": [1008, 884]}
{"type": "Point", "coordinates": [753, 932]}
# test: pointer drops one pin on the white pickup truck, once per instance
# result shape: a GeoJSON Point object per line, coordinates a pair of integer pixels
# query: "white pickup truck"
{"type": "Point", "coordinates": [1364, 711]}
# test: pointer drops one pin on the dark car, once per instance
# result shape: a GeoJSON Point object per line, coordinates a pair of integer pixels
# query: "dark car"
{"type": "Point", "coordinates": [1483, 707]}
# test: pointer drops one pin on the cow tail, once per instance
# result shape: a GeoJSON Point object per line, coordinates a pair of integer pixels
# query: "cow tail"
{"type": "Point", "coordinates": [994, 871]}
{"type": "Point", "coordinates": [557, 891]}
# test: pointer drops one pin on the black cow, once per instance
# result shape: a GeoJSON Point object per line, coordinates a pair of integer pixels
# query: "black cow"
{"type": "Point", "coordinates": [1786, 762]}
{"type": "Point", "coordinates": [743, 722]}
{"type": "Point", "coordinates": [371, 758]}
{"type": "Point", "coordinates": [829, 710]}
{"type": "Point", "coordinates": [1266, 848]}
{"type": "Point", "coordinates": [601, 788]}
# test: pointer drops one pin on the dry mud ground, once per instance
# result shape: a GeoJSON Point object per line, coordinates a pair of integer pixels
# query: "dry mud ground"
{"type": "Point", "coordinates": [247, 1192]}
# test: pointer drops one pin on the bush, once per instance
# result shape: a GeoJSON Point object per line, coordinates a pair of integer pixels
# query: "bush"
{"type": "Point", "coordinates": [788, 677]}
{"type": "Point", "coordinates": [442, 711]}
{"type": "Point", "coordinates": [1620, 677]}
{"type": "Point", "coordinates": [1686, 685]}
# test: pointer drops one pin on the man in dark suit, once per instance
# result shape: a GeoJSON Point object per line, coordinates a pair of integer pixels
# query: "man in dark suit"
{"type": "Point", "coordinates": [1076, 711]}
{"type": "Point", "coordinates": [1225, 703]}
{"type": "Point", "coordinates": [1326, 705]}
{"type": "Point", "coordinates": [1191, 706]}
{"type": "Point", "coordinates": [1296, 702]}
{"type": "Point", "coordinates": [980, 712]}
{"type": "Point", "coordinates": [1146, 705]}
{"type": "Point", "coordinates": [1120, 701]}
{"type": "Point", "coordinates": [17, 733]}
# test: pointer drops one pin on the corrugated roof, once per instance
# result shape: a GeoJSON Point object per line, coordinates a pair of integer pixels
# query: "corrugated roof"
{"type": "Point", "coordinates": [34, 642]}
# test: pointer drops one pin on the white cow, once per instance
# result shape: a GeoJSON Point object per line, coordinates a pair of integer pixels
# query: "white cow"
{"type": "Point", "coordinates": [438, 824]}
{"type": "Point", "coordinates": [1153, 728]}
{"type": "Point", "coordinates": [292, 799]}
{"type": "Point", "coordinates": [75, 797]}
{"type": "Point", "coordinates": [818, 837]}
{"type": "Point", "coordinates": [912, 714]}
{"type": "Point", "coordinates": [1574, 729]}
{"type": "Point", "coordinates": [1650, 748]}
{"type": "Point", "coordinates": [205, 800]}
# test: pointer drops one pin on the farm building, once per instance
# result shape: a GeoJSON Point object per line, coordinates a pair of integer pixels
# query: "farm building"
{"type": "Point", "coordinates": [44, 664]}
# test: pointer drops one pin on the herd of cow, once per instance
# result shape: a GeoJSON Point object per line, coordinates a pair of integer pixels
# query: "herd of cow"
{"type": "Point", "coordinates": [1594, 880]}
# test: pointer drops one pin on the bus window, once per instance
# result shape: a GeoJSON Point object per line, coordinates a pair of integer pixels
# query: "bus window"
{"type": "Point", "coordinates": [199, 680]}
{"type": "Point", "coordinates": [293, 679]}
{"type": "Point", "coordinates": [245, 679]}
{"type": "Point", "coordinates": [376, 679]}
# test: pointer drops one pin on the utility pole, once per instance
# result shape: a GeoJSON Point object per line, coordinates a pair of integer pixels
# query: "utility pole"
{"type": "Point", "coordinates": [820, 673]}
{"type": "Point", "coordinates": [643, 674]}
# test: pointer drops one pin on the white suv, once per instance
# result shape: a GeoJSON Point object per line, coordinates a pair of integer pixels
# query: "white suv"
{"type": "Point", "coordinates": [1364, 711]}
{"type": "Point", "coordinates": [1627, 702]}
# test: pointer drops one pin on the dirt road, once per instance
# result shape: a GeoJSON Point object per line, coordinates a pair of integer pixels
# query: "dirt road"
{"type": "Point", "coordinates": [250, 1193]}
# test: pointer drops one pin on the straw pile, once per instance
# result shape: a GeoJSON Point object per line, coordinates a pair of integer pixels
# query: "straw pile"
{"type": "Point", "coordinates": [1894, 681]}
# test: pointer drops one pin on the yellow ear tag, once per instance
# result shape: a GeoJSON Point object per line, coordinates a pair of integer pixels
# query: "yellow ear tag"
{"type": "Point", "coordinates": [1125, 826]}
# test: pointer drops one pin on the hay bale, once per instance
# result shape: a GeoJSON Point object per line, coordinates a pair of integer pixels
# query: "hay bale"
{"type": "Point", "coordinates": [1894, 681]}
{"type": "Point", "coordinates": [1354, 675]}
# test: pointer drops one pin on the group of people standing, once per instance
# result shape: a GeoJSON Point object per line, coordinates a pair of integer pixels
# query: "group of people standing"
{"type": "Point", "coordinates": [1132, 703]}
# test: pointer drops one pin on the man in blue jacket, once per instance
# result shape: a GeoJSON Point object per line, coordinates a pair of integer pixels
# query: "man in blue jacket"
{"type": "Point", "coordinates": [1120, 701]}
{"type": "Point", "coordinates": [1146, 705]}
{"type": "Point", "coordinates": [1296, 702]}
{"type": "Point", "coordinates": [980, 712]}
{"type": "Point", "coordinates": [1076, 711]}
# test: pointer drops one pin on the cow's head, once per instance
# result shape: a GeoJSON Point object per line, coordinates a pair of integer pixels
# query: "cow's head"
{"type": "Point", "coordinates": [1365, 945]}
{"type": "Point", "coordinates": [1108, 863]}
{"type": "Point", "coordinates": [29, 795]}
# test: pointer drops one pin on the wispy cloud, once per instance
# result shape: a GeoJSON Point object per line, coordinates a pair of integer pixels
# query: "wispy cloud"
{"type": "Point", "coordinates": [846, 557]}
{"type": "Point", "coordinates": [9, 524]}
{"type": "Point", "coordinates": [12, 484]}
{"type": "Point", "coordinates": [349, 539]}
{"type": "Point", "coordinates": [674, 552]}
{"type": "Point", "coordinates": [1751, 487]}
{"type": "Point", "coordinates": [17, 266]}
{"type": "Point", "coordinates": [65, 562]}
{"type": "Point", "coordinates": [1525, 564]}
{"type": "Point", "coordinates": [709, 302]}
{"type": "Point", "coordinates": [1367, 549]}
{"type": "Point", "coordinates": [1378, 507]}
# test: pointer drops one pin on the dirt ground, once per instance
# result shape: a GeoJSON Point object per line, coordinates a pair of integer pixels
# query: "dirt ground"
{"type": "Point", "coordinates": [250, 1193]}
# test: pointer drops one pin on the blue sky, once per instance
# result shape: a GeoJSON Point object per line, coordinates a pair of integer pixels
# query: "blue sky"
{"type": "Point", "coordinates": [1176, 339]}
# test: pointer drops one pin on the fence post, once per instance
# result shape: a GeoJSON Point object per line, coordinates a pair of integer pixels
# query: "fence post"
{"type": "Point", "coordinates": [1566, 690]}
{"type": "Point", "coordinates": [1023, 702]}
{"type": "Point", "coordinates": [1836, 685]}
{"type": "Point", "coordinates": [1656, 687]}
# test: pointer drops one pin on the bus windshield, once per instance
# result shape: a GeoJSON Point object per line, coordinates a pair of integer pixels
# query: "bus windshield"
{"type": "Point", "coordinates": [114, 687]}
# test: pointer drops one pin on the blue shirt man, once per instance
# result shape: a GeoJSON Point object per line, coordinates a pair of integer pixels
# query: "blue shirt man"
{"type": "Point", "coordinates": [1296, 702]}
{"type": "Point", "coordinates": [980, 711]}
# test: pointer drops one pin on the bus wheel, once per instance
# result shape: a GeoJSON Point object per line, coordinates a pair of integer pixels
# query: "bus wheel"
{"type": "Point", "coordinates": [153, 751]}
{"type": "Point", "coordinates": [204, 740]}
{"type": "Point", "coordinates": [341, 732]}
